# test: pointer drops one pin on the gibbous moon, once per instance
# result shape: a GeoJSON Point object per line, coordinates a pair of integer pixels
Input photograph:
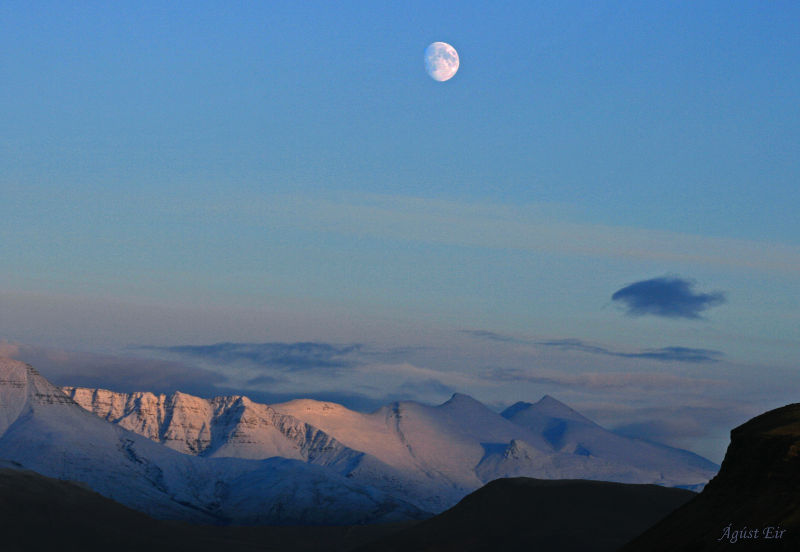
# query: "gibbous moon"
{"type": "Point", "coordinates": [441, 61]}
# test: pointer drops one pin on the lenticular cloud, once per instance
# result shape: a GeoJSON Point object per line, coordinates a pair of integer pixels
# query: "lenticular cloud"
{"type": "Point", "coordinates": [668, 297]}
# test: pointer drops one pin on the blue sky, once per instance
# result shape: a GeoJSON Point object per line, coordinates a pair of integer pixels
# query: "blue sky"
{"type": "Point", "coordinates": [283, 173]}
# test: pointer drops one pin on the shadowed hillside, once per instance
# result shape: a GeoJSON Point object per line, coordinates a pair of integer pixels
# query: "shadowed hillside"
{"type": "Point", "coordinates": [758, 486]}
{"type": "Point", "coordinates": [543, 515]}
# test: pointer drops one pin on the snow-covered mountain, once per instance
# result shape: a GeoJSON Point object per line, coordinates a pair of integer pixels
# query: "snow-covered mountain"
{"type": "Point", "coordinates": [229, 459]}
{"type": "Point", "coordinates": [44, 430]}
{"type": "Point", "coordinates": [623, 459]}
{"type": "Point", "coordinates": [236, 427]}
{"type": "Point", "coordinates": [465, 444]}
{"type": "Point", "coordinates": [430, 456]}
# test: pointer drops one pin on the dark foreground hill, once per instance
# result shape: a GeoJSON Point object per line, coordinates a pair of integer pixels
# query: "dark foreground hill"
{"type": "Point", "coordinates": [758, 487]}
{"type": "Point", "coordinates": [541, 515]}
{"type": "Point", "coordinates": [38, 513]}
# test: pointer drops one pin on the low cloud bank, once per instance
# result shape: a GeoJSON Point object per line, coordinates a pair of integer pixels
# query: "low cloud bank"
{"type": "Point", "coordinates": [274, 355]}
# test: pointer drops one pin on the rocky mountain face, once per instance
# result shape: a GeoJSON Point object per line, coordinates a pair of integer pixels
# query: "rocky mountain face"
{"type": "Point", "coordinates": [231, 426]}
{"type": "Point", "coordinates": [236, 427]}
{"type": "Point", "coordinates": [752, 503]}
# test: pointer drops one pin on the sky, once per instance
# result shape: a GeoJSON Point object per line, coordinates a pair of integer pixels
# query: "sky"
{"type": "Point", "coordinates": [275, 199]}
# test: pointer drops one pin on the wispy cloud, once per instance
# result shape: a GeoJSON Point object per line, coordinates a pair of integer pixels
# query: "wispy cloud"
{"type": "Point", "coordinates": [663, 354]}
{"type": "Point", "coordinates": [128, 374]}
{"type": "Point", "coordinates": [597, 380]}
{"type": "Point", "coordinates": [665, 423]}
{"type": "Point", "coordinates": [299, 356]}
{"type": "Point", "coordinates": [9, 350]}
{"type": "Point", "coordinates": [117, 373]}
{"type": "Point", "coordinates": [492, 336]}
{"type": "Point", "coordinates": [678, 354]}
{"type": "Point", "coordinates": [669, 297]}
{"type": "Point", "coordinates": [534, 227]}
{"type": "Point", "coordinates": [425, 388]}
{"type": "Point", "coordinates": [319, 369]}
{"type": "Point", "coordinates": [265, 380]}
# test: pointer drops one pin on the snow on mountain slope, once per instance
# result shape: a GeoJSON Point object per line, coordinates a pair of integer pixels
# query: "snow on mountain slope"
{"type": "Point", "coordinates": [624, 459]}
{"type": "Point", "coordinates": [224, 426]}
{"type": "Point", "coordinates": [547, 408]}
{"type": "Point", "coordinates": [237, 427]}
{"type": "Point", "coordinates": [463, 444]}
{"type": "Point", "coordinates": [44, 430]}
{"type": "Point", "coordinates": [438, 446]}
{"type": "Point", "coordinates": [444, 439]}
{"type": "Point", "coordinates": [430, 456]}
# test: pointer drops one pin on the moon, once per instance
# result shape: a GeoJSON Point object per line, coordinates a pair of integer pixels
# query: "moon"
{"type": "Point", "coordinates": [441, 61]}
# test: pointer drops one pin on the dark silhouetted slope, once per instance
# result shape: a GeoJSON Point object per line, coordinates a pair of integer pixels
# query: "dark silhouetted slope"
{"type": "Point", "coordinates": [758, 486]}
{"type": "Point", "coordinates": [541, 515]}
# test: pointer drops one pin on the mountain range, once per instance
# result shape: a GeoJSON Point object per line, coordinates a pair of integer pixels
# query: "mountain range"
{"type": "Point", "coordinates": [231, 460]}
{"type": "Point", "coordinates": [44, 430]}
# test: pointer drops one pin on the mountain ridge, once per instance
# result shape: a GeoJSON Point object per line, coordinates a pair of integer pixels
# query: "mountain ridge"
{"type": "Point", "coordinates": [44, 430]}
{"type": "Point", "coordinates": [431, 456]}
{"type": "Point", "coordinates": [232, 460]}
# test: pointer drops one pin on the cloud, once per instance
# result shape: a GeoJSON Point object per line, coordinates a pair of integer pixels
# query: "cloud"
{"type": "Point", "coordinates": [266, 380]}
{"type": "Point", "coordinates": [669, 297]}
{"type": "Point", "coordinates": [9, 350]}
{"type": "Point", "coordinates": [425, 388]}
{"type": "Point", "coordinates": [666, 423]}
{"type": "Point", "coordinates": [299, 356]}
{"type": "Point", "coordinates": [129, 374]}
{"type": "Point", "coordinates": [491, 336]}
{"type": "Point", "coordinates": [532, 227]}
{"type": "Point", "coordinates": [597, 380]}
{"type": "Point", "coordinates": [679, 354]}
{"type": "Point", "coordinates": [124, 374]}
{"type": "Point", "coordinates": [663, 354]}
{"type": "Point", "coordinates": [572, 344]}
{"type": "Point", "coordinates": [277, 371]}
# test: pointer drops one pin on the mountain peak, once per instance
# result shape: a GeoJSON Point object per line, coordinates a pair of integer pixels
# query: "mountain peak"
{"type": "Point", "coordinates": [515, 408]}
{"type": "Point", "coordinates": [461, 397]}
{"type": "Point", "coordinates": [461, 400]}
{"type": "Point", "coordinates": [18, 379]}
{"type": "Point", "coordinates": [550, 401]}
{"type": "Point", "coordinates": [547, 406]}
{"type": "Point", "coordinates": [549, 398]}
{"type": "Point", "coordinates": [8, 365]}
{"type": "Point", "coordinates": [556, 409]}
